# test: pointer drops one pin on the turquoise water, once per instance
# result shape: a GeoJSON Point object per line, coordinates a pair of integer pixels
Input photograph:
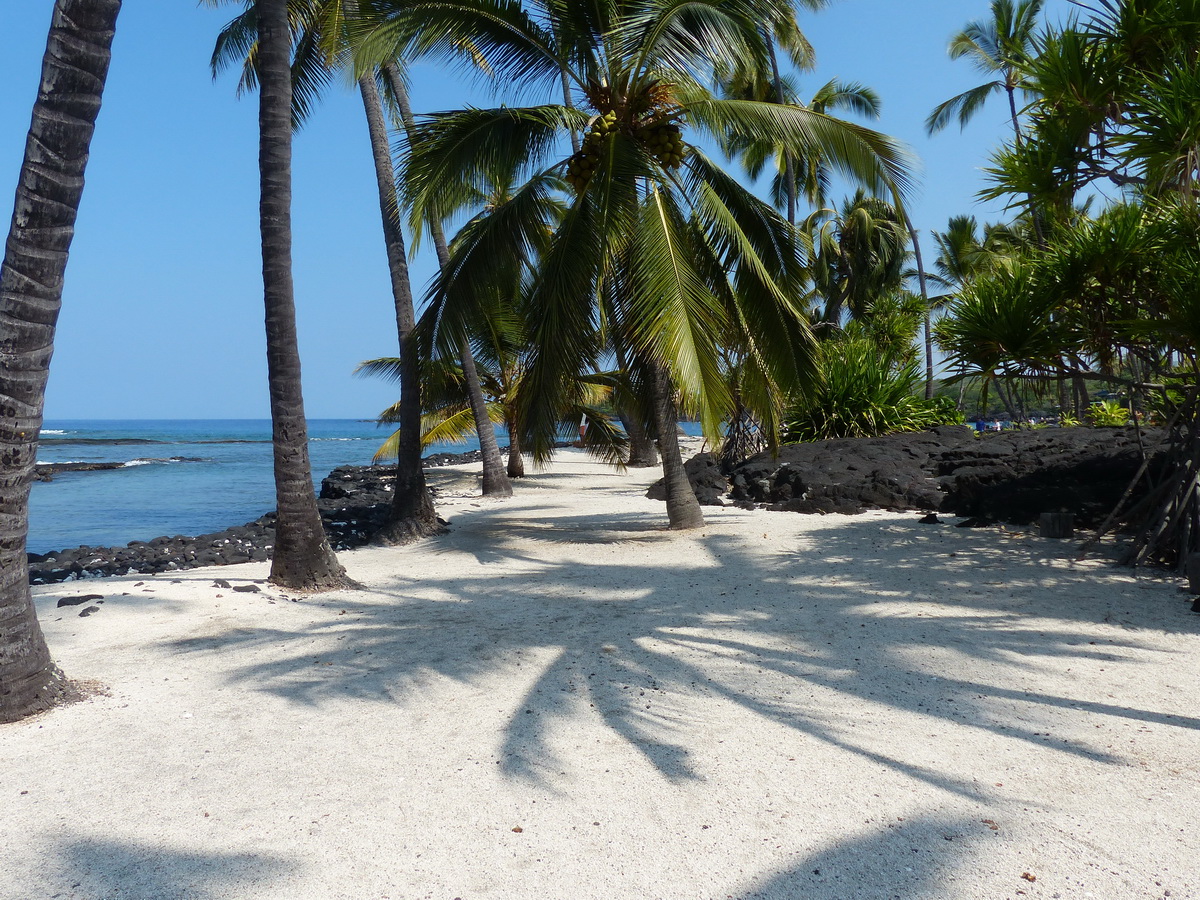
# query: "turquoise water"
{"type": "Point", "coordinates": [179, 477]}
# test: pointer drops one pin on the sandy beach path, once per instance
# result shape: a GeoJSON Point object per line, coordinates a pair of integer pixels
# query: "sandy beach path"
{"type": "Point", "coordinates": [560, 699]}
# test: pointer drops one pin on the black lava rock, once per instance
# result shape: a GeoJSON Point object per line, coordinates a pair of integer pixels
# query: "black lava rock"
{"type": "Point", "coordinates": [708, 482]}
{"type": "Point", "coordinates": [1006, 477]}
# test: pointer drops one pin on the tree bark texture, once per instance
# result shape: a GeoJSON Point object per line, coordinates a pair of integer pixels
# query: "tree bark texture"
{"type": "Point", "coordinates": [412, 513]}
{"type": "Point", "coordinates": [495, 479]}
{"type": "Point", "coordinates": [516, 462]}
{"type": "Point", "coordinates": [642, 452]}
{"type": "Point", "coordinates": [302, 558]}
{"type": "Point", "coordinates": [683, 509]}
{"type": "Point", "coordinates": [74, 69]}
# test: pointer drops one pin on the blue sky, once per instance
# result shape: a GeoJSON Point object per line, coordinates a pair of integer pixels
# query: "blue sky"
{"type": "Point", "coordinates": [162, 311]}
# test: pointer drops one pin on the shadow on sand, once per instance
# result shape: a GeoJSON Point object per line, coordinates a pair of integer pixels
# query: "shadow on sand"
{"type": "Point", "coordinates": [91, 868]}
{"type": "Point", "coordinates": [762, 631]}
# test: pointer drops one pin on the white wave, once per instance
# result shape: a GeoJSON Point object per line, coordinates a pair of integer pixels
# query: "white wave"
{"type": "Point", "coordinates": [53, 431]}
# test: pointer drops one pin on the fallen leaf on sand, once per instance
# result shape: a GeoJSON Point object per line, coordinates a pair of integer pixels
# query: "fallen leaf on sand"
{"type": "Point", "coordinates": [518, 829]}
{"type": "Point", "coordinates": [1028, 877]}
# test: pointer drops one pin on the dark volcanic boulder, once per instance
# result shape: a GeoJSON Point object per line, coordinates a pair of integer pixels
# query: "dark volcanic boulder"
{"type": "Point", "coordinates": [849, 475]}
{"type": "Point", "coordinates": [708, 482]}
{"type": "Point", "coordinates": [1017, 476]}
{"type": "Point", "coordinates": [1012, 476]}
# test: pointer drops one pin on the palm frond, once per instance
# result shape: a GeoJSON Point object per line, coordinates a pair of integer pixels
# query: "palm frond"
{"type": "Point", "coordinates": [880, 163]}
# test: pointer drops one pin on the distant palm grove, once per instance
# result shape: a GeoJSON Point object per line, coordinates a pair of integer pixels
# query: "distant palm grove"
{"type": "Point", "coordinates": [682, 233]}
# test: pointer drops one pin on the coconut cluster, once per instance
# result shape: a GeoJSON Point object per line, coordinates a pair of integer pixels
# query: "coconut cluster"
{"type": "Point", "coordinates": [663, 139]}
{"type": "Point", "coordinates": [582, 165]}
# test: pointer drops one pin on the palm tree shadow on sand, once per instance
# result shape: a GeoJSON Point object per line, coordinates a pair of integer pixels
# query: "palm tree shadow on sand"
{"type": "Point", "coordinates": [93, 867]}
{"type": "Point", "coordinates": [643, 648]}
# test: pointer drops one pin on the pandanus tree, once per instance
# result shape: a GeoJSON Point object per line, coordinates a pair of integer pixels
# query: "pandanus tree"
{"type": "Point", "coordinates": [322, 40]}
{"type": "Point", "coordinates": [49, 188]}
{"type": "Point", "coordinates": [1116, 104]}
{"type": "Point", "coordinates": [657, 240]}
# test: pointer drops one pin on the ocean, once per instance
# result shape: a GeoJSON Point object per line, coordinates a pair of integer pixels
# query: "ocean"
{"type": "Point", "coordinates": [184, 477]}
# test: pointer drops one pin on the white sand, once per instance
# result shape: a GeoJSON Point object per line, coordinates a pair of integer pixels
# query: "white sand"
{"type": "Point", "coordinates": [560, 699]}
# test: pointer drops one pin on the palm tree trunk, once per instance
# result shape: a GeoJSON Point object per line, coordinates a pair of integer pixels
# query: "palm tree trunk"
{"type": "Point", "coordinates": [302, 559]}
{"type": "Point", "coordinates": [495, 480]}
{"type": "Point", "coordinates": [1012, 110]}
{"type": "Point", "coordinates": [516, 462]}
{"type": "Point", "coordinates": [412, 514]}
{"type": "Point", "coordinates": [74, 69]}
{"type": "Point", "coordinates": [642, 452]}
{"type": "Point", "coordinates": [1039, 225]}
{"type": "Point", "coordinates": [789, 167]}
{"type": "Point", "coordinates": [928, 315]}
{"type": "Point", "coordinates": [683, 509]}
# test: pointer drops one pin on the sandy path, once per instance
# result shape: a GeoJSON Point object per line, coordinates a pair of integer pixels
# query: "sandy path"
{"type": "Point", "coordinates": [559, 699]}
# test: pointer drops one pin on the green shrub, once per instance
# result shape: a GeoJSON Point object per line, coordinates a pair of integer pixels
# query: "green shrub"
{"type": "Point", "coordinates": [1108, 413]}
{"type": "Point", "coordinates": [865, 393]}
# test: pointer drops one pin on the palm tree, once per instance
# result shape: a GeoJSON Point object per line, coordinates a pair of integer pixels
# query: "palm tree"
{"type": "Point", "coordinates": [780, 31]}
{"type": "Point", "coordinates": [809, 177]}
{"type": "Point", "coordinates": [690, 252]}
{"type": "Point", "coordinates": [320, 30]}
{"type": "Point", "coordinates": [859, 256]}
{"type": "Point", "coordinates": [1001, 48]}
{"type": "Point", "coordinates": [74, 69]}
{"type": "Point", "coordinates": [302, 558]}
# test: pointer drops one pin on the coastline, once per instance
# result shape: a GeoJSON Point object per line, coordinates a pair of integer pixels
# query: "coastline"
{"type": "Point", "coordinates": [561, 698]}
{"type": "Point", "coordinates": [353, 501]}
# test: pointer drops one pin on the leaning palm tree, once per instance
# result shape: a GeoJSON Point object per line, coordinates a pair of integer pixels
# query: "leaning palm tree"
{"type": "Point", "coordinates": [74, 69]}
{"type": "Point", "coordinates": [322, 39]}
{"type": "Point", "coordinates": [658, 242]}
{"type": "Point", "coordinates": [1001, 48]}
{"type": "Point", "coordinates": [302, 558]}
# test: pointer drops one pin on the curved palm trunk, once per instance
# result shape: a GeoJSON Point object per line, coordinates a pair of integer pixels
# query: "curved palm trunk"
{"type": "Point", "coordinates": [1039, 227]}
{"type": "Point", "coordinates": [302, 559]}
{"type": "Point", "coordinates": [642, 452]}
{"type": "Point", "coordinates": [495, 480]}
{"type": "Point", "coordinates": [412, 514]}
{"type": "Point", "coordinates": [74, 69]}
{"type": "Point", "coordinates": [683, 509]}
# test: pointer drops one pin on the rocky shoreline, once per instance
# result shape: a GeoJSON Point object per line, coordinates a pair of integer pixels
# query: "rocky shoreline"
{"type": "Point", "coordinates": [353, 501]}
{"type": "Point", "coordinates": [1008, 477]}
